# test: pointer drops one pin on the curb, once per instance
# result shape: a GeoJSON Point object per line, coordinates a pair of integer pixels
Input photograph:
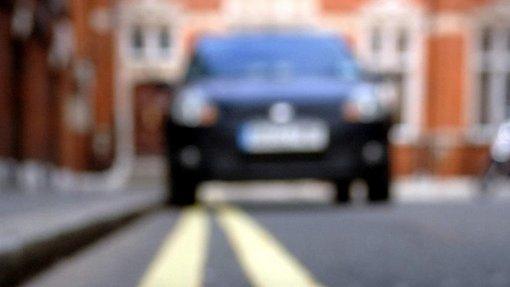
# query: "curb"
{"type": "Point", "coordinates": [24, 261]}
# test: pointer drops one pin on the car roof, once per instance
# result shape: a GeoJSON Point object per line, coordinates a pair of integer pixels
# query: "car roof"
{"type": "Point", "coordinates": [234, 40]}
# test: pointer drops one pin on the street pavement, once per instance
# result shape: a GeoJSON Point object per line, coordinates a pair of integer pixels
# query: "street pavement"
{"type": "Point", "coordinates": [37, 228]}
{"type": "Point", "coordinates": [302, 242]}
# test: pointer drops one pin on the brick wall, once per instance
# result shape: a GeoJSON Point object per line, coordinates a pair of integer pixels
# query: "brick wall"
{"type": "Point", "coordinates": [202, 5]}
{"type": "Point", "coordinates": [446, 73]}
{"type": "Point", "coordinates": [34, 95]}
{"type": "Point", "coordinates": [53, 139]}
{"type": "Point", "coordinates": [341, 6]}
{"type": "Point", "coordinates": [6, 96]}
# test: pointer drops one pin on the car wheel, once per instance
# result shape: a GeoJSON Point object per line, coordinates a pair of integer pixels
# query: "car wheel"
{"type": "Point", "coordinates": [343, 194]}
{"type": "Point", "coordinates": [379, 186]}
{"type": "Point", "coordinates": [182, 189]}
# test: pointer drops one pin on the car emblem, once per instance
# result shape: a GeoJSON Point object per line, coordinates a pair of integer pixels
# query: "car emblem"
{"type": "Point", "coordinates": [281, 113]}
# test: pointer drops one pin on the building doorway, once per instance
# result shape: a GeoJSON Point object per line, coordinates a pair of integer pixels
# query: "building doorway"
{"type": "Point", "coordinates": [151, 104]}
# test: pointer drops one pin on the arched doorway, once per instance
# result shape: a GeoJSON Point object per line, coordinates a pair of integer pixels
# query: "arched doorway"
{"type": "Point", "coordinates": [151, 106]}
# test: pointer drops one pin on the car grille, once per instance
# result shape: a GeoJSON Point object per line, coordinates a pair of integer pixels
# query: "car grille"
{"type": "Point", "coordinates": [240, 113]}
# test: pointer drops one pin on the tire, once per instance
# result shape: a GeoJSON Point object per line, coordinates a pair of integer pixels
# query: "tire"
{"type": "Point", "coordinates": [343, 194]}
{"type": "Point", "coordinates": [183, 194]}
{"type": "Point", "coordinates": [182, 189]}
{"type": "Point", "coordinates": [378, 184]}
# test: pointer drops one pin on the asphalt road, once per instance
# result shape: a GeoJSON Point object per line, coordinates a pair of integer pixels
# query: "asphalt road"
{"type": "Point", "coordinates": [301, 244]}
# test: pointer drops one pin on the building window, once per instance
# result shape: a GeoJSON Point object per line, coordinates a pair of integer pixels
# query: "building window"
{"type": "Point", "coordinates": [137, 41]}
{"type": "Point", "coordinates": [388, 59]}
{"type": "Point", "coordinates": [152, 42]}
{"type": "Point", "coordinates": [164, 40]}
{"type": "Point", "coordinates": [486, 39]}
{"type": "Point", "coordinates": [493, 74]}
{"type": "Point", "coordinates": [484, 91]}
{"type": "Point", "coordinates": [376, 40]}
{"type": "Point", "coordinates": [403, 40]}
{"type": "Point", "coordinates": [392, 46]}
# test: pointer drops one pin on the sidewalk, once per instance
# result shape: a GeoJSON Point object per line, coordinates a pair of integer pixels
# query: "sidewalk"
{"type": "Point", "coordinates": [36, 228]}
{"type": "Point", "coordinates": [414, 189]}
{"type": "Point", "coordinates": [430, 189]}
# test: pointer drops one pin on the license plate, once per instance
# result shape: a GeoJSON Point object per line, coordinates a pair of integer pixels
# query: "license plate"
{"type": "Point", "coordinates": [264, 137]}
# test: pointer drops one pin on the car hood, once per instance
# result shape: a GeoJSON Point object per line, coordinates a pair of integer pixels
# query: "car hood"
{"type": "Point", "coordinates": [257, 90]}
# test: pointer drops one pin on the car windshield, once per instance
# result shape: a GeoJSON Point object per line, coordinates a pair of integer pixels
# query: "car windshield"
{"type": "Point", "coordinates": [273, 56]}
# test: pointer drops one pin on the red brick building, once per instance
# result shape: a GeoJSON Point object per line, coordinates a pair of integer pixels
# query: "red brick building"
{"type": "Point", "coordinates": [83, 84]}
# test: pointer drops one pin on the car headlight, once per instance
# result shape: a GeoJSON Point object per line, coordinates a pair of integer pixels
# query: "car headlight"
{"type": "Point", "coordinates": [191, 108]}
{"type": "Point", "coordinates": [365, 104]}
{"type": "Point", "coordinates": [500, 149]}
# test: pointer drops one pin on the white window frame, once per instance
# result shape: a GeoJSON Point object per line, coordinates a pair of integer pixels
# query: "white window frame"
{"type": "Point", "coordinates": [392, 16]}
{"type": "Point", "coordinates": [150, 17]}
{"type": "Point", "coordinates": [129, 72]}
{"type": "Point", "coordinates": [497, 18]}
{"type": "Point", "coordinates": [151, 49]}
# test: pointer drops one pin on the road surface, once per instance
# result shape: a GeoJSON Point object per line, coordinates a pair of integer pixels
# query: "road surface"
{"type": "Point", "coordinates": [456, 243]}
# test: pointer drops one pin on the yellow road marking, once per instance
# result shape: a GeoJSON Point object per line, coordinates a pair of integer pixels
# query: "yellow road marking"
{"type": "Point", "coordinates": [181, 259]}
{"type": "Point", "coordinates": [264, 260]}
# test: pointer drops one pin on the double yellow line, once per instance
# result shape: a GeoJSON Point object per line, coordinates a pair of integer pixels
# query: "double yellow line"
{"type": "Point", "coordinates": [180, 261]}
{"type": "Point", "coordinates": [182, 258]}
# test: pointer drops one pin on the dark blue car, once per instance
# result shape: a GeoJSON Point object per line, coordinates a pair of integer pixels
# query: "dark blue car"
{"type": "Point", "coordinates": [277, 106]}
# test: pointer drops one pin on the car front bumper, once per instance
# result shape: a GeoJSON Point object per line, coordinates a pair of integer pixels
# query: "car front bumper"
{"type": "Point", "coordinates": [355, 150]}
